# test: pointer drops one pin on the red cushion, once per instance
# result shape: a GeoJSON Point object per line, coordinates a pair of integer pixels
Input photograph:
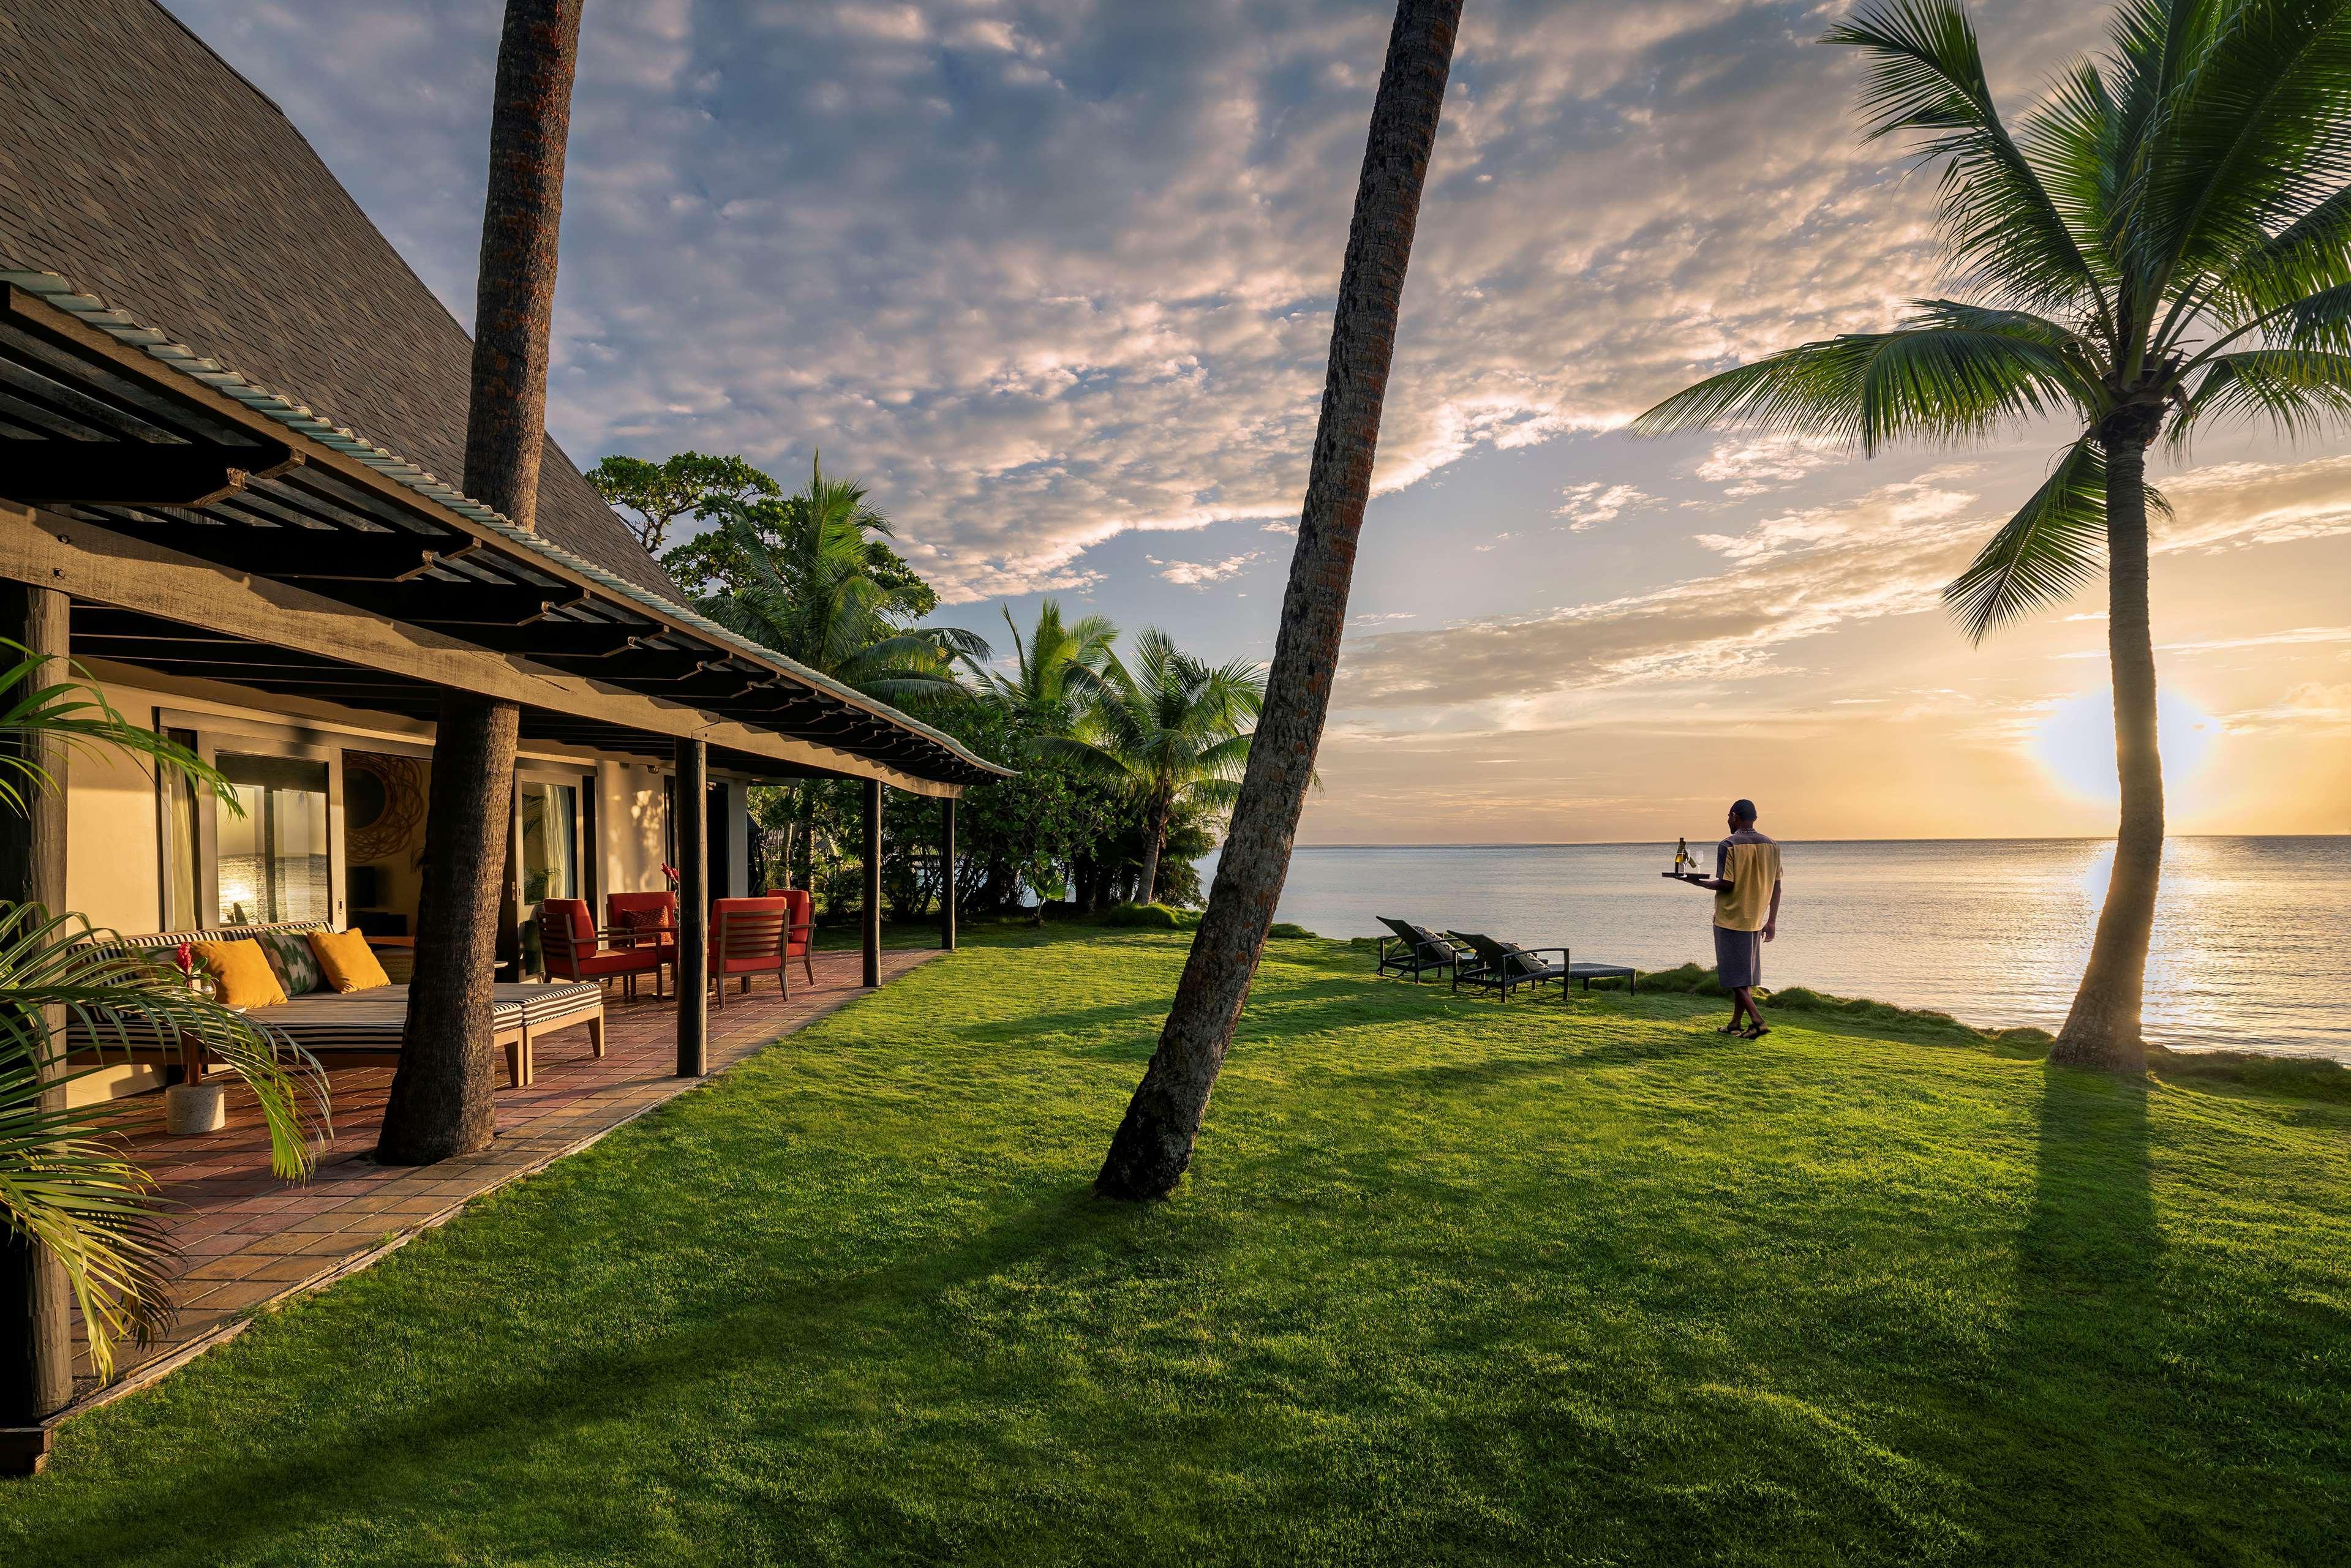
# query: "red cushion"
{"type": "Point", "coordinates": [622, 961]}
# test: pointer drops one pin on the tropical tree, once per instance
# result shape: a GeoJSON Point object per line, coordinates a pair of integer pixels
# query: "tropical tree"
{"type": "Point", "coordinates": [1153, 1147]}
{"type": "Point", "coordinates": [67, 1186]}
{"type": "Point", "coordinates": [440, 1104]}
{"type": "Point", "coordinates": [1057, 672]}
{"type": "Point", "coordinates": [811, 576]}
{"type": "Point", "coordinates": [1178, 728]}
{"type": "Point", "coordinates": [676, 486]}
{"type": "Point", "coordinates": [2165, 240]}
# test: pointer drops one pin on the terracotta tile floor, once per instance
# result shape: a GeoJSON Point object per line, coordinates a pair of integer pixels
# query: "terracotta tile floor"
{"type": "Point", "coordinates": [246, 1239]}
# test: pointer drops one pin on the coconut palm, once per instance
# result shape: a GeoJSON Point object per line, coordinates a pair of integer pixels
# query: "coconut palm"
{"type": "Point", "coordinates": [811, 576]}
{"type": "Point", "coordinates": [1059, 675]}
{"type": "Point", "coordinates": [67, 1186]}
{"type": "Point", "coordinates": [2164, 240]}
{"type": "Point", "coordinates": [1178, 729]}
{"type": "Point", "coordinates": [1153, 1147]}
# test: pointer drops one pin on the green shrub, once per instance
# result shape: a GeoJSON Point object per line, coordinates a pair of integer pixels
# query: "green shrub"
{"type": "Point", "coordinates": [1288, 929]}
{"type": "Point", "coordinates": [1152, 917]}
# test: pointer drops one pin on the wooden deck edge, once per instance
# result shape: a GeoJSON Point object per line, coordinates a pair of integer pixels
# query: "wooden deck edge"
{"type": "Point", "coordinates": [148, 1373]}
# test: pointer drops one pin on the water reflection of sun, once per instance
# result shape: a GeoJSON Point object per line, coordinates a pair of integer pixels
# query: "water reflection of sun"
{"type": "Point", "coordinates": [2075, 744]}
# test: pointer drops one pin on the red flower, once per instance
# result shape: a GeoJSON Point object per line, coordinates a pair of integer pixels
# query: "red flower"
{"type": "Point", "coordinates": [185, 957]}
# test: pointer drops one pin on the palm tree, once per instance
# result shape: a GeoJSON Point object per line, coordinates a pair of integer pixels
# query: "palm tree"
{"type": "Point", "coordinates": [1177, 729]}
{"type": "Point", "coordinates": [2165, 240]}
{"type": "Point", "coordinates": [67, 1186]}
{"type": "Point", "coordinates": [1153, 1147]}
{"type": "Point", "coordinates": [1057, 672]}
{"type": "Point", "coordinates": [812, 579]}
{"type": "Point", "coordinates": [440, 1099]}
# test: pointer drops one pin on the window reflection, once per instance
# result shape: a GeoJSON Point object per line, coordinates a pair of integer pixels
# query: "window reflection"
{"type": "Point", "coordinates": [273, 860]}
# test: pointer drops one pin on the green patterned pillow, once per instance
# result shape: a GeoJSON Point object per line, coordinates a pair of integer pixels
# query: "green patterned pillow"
{"type": "Point", "coordinates": [297, 967]}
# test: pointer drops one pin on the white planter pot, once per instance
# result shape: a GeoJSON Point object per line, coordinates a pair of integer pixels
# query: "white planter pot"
{"type": "Point", "coordinates": [191, 1108]}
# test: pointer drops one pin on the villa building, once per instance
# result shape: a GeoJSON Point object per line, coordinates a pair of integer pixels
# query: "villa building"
{"type": "Point", "coordinates": [231, 421]}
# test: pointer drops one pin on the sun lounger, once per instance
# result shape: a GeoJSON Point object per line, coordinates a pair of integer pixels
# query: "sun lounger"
{"type": "Point", "coordinates": [1417, 951]}
{"type": "Point", "coordinates": [1504, 966]}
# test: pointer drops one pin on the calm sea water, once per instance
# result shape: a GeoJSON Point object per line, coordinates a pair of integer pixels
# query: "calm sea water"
{"type": "Point", "coordinates": [2252, 936]}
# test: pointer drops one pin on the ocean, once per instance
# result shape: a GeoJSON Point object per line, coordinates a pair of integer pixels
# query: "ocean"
{"type": "Point", "coordinates": [2252, 936]}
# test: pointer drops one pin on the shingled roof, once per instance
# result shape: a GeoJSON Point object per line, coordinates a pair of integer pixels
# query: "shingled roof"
{"type": "Point", "coordinates": [142, 169]}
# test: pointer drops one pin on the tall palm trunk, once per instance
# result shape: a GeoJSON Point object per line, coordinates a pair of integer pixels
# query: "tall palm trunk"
{"type": "Point", "coordinates": [1153, 1147]}
{"type": "Point", "coordinates": [1160, 810]}
{"type": "Point", "coordinates": [440, 1099]}
{"type": "Point", "coordinates": [2103, 1029]}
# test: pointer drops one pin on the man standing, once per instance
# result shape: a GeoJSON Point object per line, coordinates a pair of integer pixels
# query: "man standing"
{"type": "Point", "coordinates": [1746, 888]}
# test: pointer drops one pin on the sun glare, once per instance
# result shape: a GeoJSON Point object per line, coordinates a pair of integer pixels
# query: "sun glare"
{"type": "Point", "coordinates": [2075, 744]}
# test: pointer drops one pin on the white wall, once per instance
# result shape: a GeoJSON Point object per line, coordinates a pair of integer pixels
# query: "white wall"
{"type": "Point", "coordinates": [631, 809]}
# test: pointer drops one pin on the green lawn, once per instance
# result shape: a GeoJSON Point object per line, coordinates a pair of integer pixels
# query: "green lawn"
{"type": "Point", "coordinates": [1450, 1282]}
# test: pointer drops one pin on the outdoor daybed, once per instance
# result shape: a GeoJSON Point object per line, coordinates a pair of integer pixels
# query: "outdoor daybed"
{"type": "Point", "coordinates": [355, 1029]}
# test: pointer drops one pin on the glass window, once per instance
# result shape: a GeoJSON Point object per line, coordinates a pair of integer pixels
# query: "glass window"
{"type": "Point", "coordinates": [550, 840]}
{"type": "Point", "coordinates": [180, 845]}
{"type": "Point", "coordinates": [273, 861]}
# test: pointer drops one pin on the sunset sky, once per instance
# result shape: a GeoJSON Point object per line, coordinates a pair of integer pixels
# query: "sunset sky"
{"type": "Point", "coordinates": [1055, 279]}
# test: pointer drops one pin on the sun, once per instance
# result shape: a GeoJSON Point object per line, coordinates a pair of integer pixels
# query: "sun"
{"type": "Point", "coordinates": [2075, 744]}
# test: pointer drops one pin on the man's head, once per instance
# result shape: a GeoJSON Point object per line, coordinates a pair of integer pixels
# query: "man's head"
{"type": "Point", "coordinates": [1742, 815]}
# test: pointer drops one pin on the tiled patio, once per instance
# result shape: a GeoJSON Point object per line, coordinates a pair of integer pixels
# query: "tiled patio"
{"type": "Point", "coordinates": [248, 1239]}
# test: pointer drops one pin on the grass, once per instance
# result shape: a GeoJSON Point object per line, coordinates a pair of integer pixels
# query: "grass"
{"type": "Point", "coordinates": [1452, 1281]}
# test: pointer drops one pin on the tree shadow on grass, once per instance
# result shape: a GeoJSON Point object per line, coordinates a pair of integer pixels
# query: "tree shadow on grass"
{"type": "Point", "coordinates": [2082, 1332]}
{"type": "Point", "coordinates": [220, 1504]}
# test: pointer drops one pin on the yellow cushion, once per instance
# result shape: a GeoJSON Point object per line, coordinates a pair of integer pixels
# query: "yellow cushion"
{"type": "Point", "coordinates": [350, 964]}
{"type": "Point", "coordinates": [243, 972]}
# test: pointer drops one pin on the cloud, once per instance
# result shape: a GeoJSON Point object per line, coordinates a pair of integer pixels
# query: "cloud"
{"type": "Point", "coordinates": [1599, 502]}
{"type": "Point", "coordinates": [1199, 574]}
{"type": "Point", "coordinates": [1757, 465]}
{"type": "Point", "coordinates": [1086, 290]}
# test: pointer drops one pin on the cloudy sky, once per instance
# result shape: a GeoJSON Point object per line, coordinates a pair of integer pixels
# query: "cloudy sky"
{"type": "Point", "coordinates": [1054, 277]}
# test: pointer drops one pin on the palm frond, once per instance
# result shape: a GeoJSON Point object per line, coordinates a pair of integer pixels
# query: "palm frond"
{"type": "Point", "coordinates": [1929, 381]}
{"type": "Point", "coordinates": [2298, 391]}
{"type": "Point", "coordinates": [1927, 80]}
{"type": "Point", "coordinates": [2055, 542]}
{"type": "Point", "coordinates": [76, 716]}
{"type": "Point", "coordinates": [2255, 128]}
{"type": "Point", "coordinates": [61, 1182]}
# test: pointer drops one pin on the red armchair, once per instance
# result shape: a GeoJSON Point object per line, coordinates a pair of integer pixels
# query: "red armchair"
{"type": "Point", "coordinates": [568, 937]}
{"type": "Point", "coordinates": [759, 936]}
{"type": "Point", "coordinates": [643, 920]}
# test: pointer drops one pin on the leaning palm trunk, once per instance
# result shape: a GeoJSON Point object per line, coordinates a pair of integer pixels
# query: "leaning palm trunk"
{"type": "Point", "coordinates": [440, 1099]}
{"type": "Point", "coordinates": [2102, 1027]}
{"type": "Point", "coordinates": [1152, 1147]}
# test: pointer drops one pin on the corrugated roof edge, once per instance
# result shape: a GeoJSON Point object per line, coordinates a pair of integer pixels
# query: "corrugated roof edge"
{"type": "Point", "coordinates": [60, 294]}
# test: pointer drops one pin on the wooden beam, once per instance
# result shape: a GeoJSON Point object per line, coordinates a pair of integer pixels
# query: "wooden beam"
{"type": "Point", "coordinates": [306, 554]}
{"type": "Point", "coordinates": [113, 568]}
{"type": "Point", "coordinates": [436, 601]}
{"type": "Point", "coordinates": [133, 473]}
{"type": "Point", "coordinates": [35, 1327]}
{"type": "Point", "coordinates": [691, 810]}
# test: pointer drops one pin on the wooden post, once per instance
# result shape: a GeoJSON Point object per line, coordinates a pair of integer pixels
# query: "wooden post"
{"type": "Point", "coordinates": [36, 1331]}
{"type": "Point", "coordinates": [946, 874]}
{"type": "Point", "coordinates": [692, 804]}
{"type": "Point", "coordinates": [873, 882]}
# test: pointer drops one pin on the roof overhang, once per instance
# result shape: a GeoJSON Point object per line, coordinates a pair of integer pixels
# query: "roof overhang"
{"type": "Point", "coordinates": [318, 533]}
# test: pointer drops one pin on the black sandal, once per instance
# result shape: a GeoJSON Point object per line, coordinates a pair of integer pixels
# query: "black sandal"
{"type": "Point", "coordinates": [1730, 1029]}
{"type": "Point", "coordinates": [1757, 1033]}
